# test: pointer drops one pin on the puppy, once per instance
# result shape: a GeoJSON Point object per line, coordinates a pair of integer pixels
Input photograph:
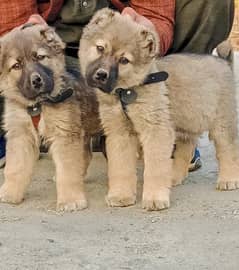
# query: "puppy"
{"type": "Point", "coordinates": [138, 103]}
{"type": "Point", "coordinates": [43, 102]}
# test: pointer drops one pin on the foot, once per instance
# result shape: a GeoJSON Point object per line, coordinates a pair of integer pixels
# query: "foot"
{"type": "Point", "coordinates": [2, 151]}
{"type": "Point", "coordinates": [177, 182]}
{"type": "Point", "coordinates": [223, 184]}
{"type": "Point", "coordinates": [196, 162]}
{"type": "Point", "coordinates": [71, 206]}
{"type": "Point", "coordinates": [179, 176]}
{"type": "Point", "coordinates": [10, 194]}
{"type": "Point", "coordinates": [72, 203]}
{"type": "Point", "coordinates": [120, 198]}
{"type": "Point", "coordinates": [156, 199]}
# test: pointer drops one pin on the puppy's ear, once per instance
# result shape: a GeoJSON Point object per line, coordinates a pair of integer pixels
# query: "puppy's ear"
{"type": "Point", "coordinates": [52, 39]}
{"type": "Point", "coordinates": [149, 43]}
{"type": "Point", "coordinates": [102, 17]}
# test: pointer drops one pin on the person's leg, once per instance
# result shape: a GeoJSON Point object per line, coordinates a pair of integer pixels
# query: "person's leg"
{"type": "Point", "coordinates": [2, 132]}
{"type": "Point", "coordinates": [201, 25]}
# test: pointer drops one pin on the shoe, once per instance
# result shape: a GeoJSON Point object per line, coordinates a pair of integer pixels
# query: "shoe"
{"type": "Point", "coordinates": [2, 151]}
{"type": "Point", "coordinates": [98, 144]}
{"type": "Point", "coordinates": [196, 162]}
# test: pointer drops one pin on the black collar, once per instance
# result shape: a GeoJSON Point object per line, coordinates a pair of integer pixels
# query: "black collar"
{"type": "Point", "coordinates": [156, 77]}
{"type": "Point", "coordinates": [35, 109]}
{"type": "Point", "coordinates": [128, 96]}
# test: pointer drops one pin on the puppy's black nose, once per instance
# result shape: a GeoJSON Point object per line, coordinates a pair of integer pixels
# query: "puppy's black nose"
{"type": "Point", "coordinates": [101, 75]}
{"type": "Point", "coordinates": [36, 80]}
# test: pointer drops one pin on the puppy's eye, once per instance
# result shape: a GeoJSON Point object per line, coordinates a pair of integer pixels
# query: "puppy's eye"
{"type": "Point", "coordinates": [40, 57]}
{"type": "Point", "coordinates": [100, 49]}
{"type": "Point", "coordinates": [16, 66]}
{"type": "Point", "coordinates": [123, 60]}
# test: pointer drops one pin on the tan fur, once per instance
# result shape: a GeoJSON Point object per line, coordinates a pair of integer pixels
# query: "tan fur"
{"type": "Point", "coordinates": [62, 126]}
{"type": "Point", "coordinates": [198, 96]}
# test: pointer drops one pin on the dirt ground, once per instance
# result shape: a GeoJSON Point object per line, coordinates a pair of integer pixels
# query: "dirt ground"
{"type": "Point", "coordinates": [199, 231]}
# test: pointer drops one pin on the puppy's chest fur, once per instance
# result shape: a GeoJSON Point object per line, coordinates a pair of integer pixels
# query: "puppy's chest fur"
{"type": "Point", "coordinates": [62, 119]}
{"type": "Point", "coordinates": [151, 108]}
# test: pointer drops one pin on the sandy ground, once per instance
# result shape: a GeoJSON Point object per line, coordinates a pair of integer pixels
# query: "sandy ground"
{"type": "Point", "coordinates": [199, 231]}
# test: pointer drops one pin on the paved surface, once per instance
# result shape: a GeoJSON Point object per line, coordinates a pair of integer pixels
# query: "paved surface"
{"type": "Point", "coordinates": [199, 231]}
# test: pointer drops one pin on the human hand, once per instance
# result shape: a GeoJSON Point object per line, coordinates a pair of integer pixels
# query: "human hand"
{"type": "Point", "coordinates": [36, 19]}
{"type": "Point", "coordinates": [138, 18]}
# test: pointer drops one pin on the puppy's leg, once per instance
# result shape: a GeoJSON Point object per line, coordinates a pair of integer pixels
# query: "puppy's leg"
{"type": "Point", "coordinates": [227, 150]}
{"type": "Point", "coordinates": [182, 157]}
{"type": "Point", "coordinates": [225, 136]}
{"type": "Point", "coordinates": [69, 157]}
{"type": "Point", "coordinates": [21, 155]}
{"type": "Point", "coordinates": [121, 152]}
{"type": "Point", "coordinates": [157, 147]}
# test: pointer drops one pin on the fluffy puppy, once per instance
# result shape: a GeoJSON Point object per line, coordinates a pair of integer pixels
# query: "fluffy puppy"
{"type": "Point", "coordinates": [43, 102]}
{"type": "Point", "coordinates": [119, 58]}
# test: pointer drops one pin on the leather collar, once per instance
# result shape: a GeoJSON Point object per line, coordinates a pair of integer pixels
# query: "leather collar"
{"type": "Point", "coordinates": [35, 110]}
{"type": "Point", "coordinates": [128, 96]}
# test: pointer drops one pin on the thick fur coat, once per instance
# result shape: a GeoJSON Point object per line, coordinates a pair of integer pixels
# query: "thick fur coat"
{"type": "Point", "coordinates": [32, 69]}
{"type": "Point", "coordinates": [198, 96]}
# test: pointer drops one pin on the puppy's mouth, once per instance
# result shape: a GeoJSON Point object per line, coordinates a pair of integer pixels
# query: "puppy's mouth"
{"type": "Point", "coordinates": [106, 88]}
{"type": "Point", "coordinates": [36, 82]}
{"type": "Point", "coordinates": [102, 78]}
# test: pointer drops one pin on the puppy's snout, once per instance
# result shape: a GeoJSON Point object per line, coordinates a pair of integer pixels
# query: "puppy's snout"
{"type": "Point", "coordinates": [36, 81]}
{"type": "Point", "coordinates": [101, 75]}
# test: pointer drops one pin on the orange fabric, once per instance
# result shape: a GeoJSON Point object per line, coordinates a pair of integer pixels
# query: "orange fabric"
{"type": "Point", "coordinates": [16, 12]}
{"type": "Point", "coordinates": [161, 13]}
{"type": "Point", "coordinates": [36, 120]}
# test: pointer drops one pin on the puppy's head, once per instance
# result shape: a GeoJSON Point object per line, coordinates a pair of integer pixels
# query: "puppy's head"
{"type": "Point", "coordinates": [115, 51]}
{"type": "Point", "coordinates": [31, 59]}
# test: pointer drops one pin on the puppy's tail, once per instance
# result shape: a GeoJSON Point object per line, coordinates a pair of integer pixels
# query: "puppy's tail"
{"type": "Point", "coordinates": [225, 51]}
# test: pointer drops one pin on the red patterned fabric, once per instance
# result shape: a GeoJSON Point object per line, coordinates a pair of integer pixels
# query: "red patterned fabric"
{"type": "Point", "coordinates": [12, 14]}
{"type": "Point", "coordinates": [16, 12]}
{"type": "Point", "coordinates": [161, 13]}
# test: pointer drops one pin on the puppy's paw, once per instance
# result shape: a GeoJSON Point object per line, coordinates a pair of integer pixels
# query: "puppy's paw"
{"type": "Point", "coordinates": [177, 181]}
{"type": "Point", "coordinates": [222, 184]}
{"type": "Point", "coordinates": [10, 194]}
{"type": "Point", "coordinates": [179, 177]}
{"type": "Point", "coordinates": [118, 198]}
{"type": "Point", "coordinates": [154, 200]}
{"type": "Point", "coordinates": [71, 205]}
{"type": "Point", "coordinates": [71, 201]}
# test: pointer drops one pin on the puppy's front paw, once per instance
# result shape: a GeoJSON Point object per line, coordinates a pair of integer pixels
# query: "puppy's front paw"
{"type": "Point", "coordinates": [156, 199]}
{"type": "Point", "coordinates": [223, 184]}
{"type": "Point", "coordinates": [71, 204]}
{"type": "Point", "coordinates": [10, 194]}
{"type": "Point", "coordinates": [116, 198]}
{"type": "Point", "coordinates": [177, 181]}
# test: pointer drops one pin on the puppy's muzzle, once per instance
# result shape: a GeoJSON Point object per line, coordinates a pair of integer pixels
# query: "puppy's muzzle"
{"type": "Point", "coordinates": [101, 75]}
{"type": "Point", "coordinates": [103, 79]}
{"type": "Point", "coordinates": [36, 81]}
